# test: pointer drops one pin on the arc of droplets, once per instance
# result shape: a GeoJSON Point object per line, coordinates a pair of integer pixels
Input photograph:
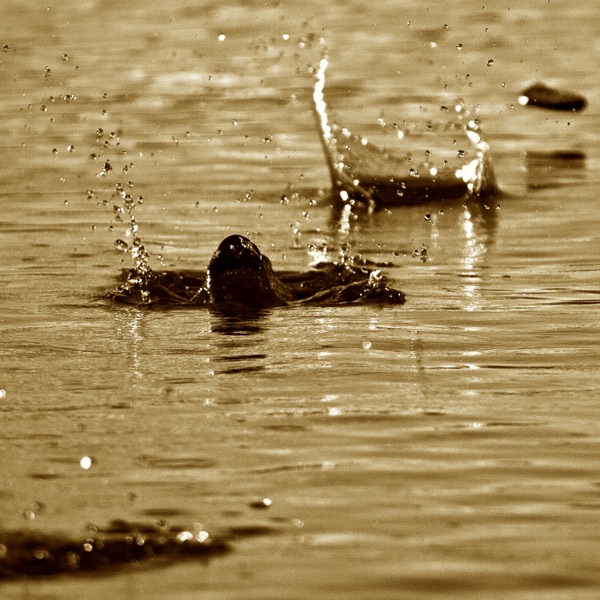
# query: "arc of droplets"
{"type": "Point", "coordinates": [335, 161]}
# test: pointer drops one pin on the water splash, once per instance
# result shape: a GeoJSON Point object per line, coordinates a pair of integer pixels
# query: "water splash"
{"type": "Point", "coordinates": [363, 171]}
{"type": "Point", "coordinates": [139, 277]}
{"type": "Point", "coordinates": [239, 276]}
{"type": "Point", "coordinates": [338, 169]}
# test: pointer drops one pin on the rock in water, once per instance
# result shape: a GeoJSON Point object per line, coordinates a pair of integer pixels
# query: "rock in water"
{"type": "Point", "coordinates": [29, 554]}
{"type": "Point", "coordinates": [544, 96]}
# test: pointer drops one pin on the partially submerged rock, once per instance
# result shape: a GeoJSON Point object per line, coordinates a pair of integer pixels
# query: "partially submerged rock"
{"type": "Point", "coordinates": [543, 96]}
{"type": "Point", "coordinates": [26, 553]}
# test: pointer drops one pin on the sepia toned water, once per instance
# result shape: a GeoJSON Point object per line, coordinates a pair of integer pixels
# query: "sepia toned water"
{"type": "Point", "coordinates": [447, 448]}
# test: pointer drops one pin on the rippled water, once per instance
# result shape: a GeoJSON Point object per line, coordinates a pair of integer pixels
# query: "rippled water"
{"type": "Point", "coordinates": [445, 448]}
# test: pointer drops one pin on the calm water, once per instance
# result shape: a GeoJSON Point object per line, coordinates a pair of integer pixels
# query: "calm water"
{"type": "Point", "coordinates": [448, 448]}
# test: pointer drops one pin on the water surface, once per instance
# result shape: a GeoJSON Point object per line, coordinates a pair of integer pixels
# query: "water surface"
{"type": "Point", "coordinates": [447, 448]}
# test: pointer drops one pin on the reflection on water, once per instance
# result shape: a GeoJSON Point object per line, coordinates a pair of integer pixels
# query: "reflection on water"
{"type": "Point", "coordinates": [465, 231]}
{"type": "Point", "coordinates": [129, 332]}
{"type": "Point", "coordinates": [240, 322]}
{"type": "Point", "coordinates": [233, 349]}
{"type": "Point", "coordinates": [555, 169]}
{"type": "Point", "coordinates": [477, 225]}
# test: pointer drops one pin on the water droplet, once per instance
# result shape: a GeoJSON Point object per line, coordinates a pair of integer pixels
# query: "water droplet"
{"type": "Point", "coordinates": [427, 217]}
{"type": "Point", "coordinates": [85, 462]}
{"type": "Point", "coordinates": [121, 245]}
{"type": "Point", "coordinates": [185, 536]}
{"type": "Point", "coordinates": [262, 503]}
{"type": "Point", "coordinates": [461, 154]}
{"type": "Point", "coordinates": [444, 108]}
{"type": "Point", "coordinates": [106, 169]}
{"type": "Point", "coordinates": [459, 46]}
{"type": "Point", "coordinates": [490, 62]}
{"type": "Point", "coordinates": [366, 345]}
{"type": "Point", "coordinates": [221, 37]}
{"type": "Point", "coordinates": [421, 254]}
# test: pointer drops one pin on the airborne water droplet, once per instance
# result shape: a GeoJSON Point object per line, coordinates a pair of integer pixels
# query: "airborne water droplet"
{"type": "Point", "coordinates": [490, 62]}
{"type": "Point", "coordinates": [121, 245]}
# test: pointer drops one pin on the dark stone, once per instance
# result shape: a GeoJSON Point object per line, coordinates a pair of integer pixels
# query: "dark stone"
{"type": "Point", "coordinates": [29, 553]}
{"type": "Point", "coordinates": [544, 96]}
